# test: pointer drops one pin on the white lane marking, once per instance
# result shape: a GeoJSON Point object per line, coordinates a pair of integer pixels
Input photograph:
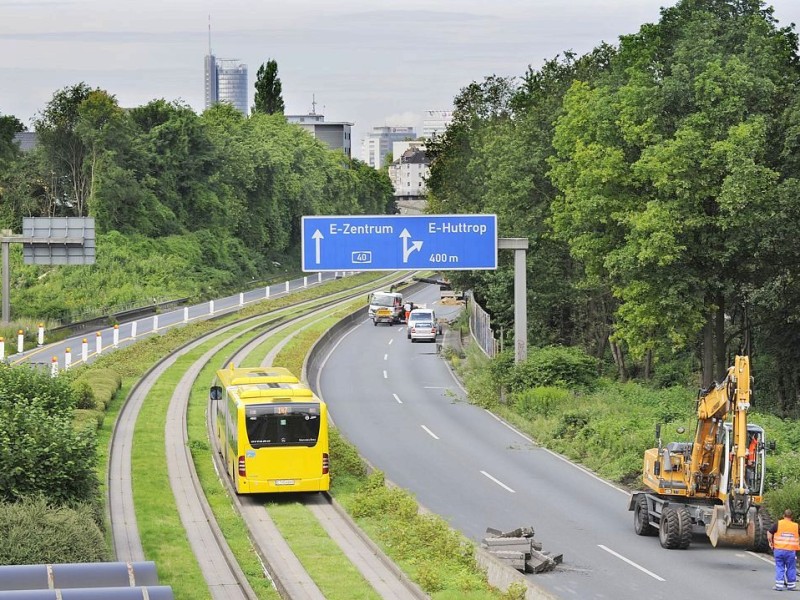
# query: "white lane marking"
{"type": "Point", "coordinates": [385, 375]}
{"type": "Point", "coordinates": [396, 397]}
{"type": "Point", "coordinates": [631, 563]}
{"type": "Point", "coordinates": [500, 483]}
{"type": "Point", "coordinates": [430, 433]}
{"type": "Point", "coordinates": [558, 456]}
{"type": "Point", "coordinates": [385, 357]}
{"type": "Point", "coordinates": [760, 557]}
{"type": "Point", "coordinates": [390, 341]}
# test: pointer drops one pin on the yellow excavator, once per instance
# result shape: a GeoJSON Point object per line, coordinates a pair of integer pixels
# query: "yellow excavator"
{"type": "Point", "coordinates": [714, 484]}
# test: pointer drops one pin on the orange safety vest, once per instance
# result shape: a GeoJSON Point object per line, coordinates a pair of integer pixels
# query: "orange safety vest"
{"type": "Point", "coordinates": [787, 537]}
{"type": "Point", "coordinates": [751, 450]}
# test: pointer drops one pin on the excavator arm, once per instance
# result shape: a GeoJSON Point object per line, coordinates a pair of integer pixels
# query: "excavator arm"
{"type": "Point", "coordinates": [730, 397]}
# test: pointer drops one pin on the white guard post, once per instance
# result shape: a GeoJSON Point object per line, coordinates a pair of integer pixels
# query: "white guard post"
{"type": "Point", "coordinates": [20, 341]}
{"type": "Point", "coordinates": [85, 350]}
{"type": "Point", "coordinates": [115, 339]}
{"type": "Point", "coordinates": [41, 334]}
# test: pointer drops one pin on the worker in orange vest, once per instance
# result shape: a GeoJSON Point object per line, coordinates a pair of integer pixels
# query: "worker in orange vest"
{"type": "Point", "coordinates": [784, 539]}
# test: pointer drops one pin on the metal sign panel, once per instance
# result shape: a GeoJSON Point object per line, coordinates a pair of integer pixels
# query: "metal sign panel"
{"type": "Point", "coordinates": [398, 242]}
{"type": "Point", "coordinates": [58, 240]}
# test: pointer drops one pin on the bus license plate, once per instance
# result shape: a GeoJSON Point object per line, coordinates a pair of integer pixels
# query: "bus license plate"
{"type": "Point", "coordinates": [284, 482]}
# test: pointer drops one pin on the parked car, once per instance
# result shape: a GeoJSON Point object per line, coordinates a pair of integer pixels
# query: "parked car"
{"type": "Point", "coordinates": [422, 325]}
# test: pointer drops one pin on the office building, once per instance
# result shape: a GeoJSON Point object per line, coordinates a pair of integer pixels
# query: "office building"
{"type": "Point", "coordinates": [225, 80]}
{"type": "Point", "coordinates": [377, 144]}
{"type": "Point", "coordinates": [335, 135]}
{"type": "Point", "coordinates": [435, 122]}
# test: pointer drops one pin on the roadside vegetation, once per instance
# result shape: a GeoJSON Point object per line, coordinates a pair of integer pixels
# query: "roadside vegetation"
{"type": "Point", "coordinates": [557, 398]}
{"type": "Point", "coordinates": [657, 181]}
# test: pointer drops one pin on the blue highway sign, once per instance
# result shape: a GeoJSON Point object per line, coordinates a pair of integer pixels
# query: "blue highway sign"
{"type": "Point", "coordinates": [395, 242]}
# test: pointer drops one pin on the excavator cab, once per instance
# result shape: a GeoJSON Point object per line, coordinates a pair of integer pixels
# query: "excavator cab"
{"type": "Point", "coordinates": [752, 479]}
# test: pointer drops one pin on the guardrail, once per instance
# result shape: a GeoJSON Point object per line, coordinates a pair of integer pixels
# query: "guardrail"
{"type": "Point", "coordinates": [118, 317]}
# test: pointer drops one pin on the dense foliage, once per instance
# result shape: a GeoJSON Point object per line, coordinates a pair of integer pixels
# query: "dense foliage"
{"type": "Point", "coordinates": [183, 203]}
{"type": "Point", "coordinates": [657, 184]}
{"type": "Point", "coordinates": [34, 532]}
{"type": "Point", "coordinates": [269, 99]}
{"type": "Point", "coordinates": [41, 452]}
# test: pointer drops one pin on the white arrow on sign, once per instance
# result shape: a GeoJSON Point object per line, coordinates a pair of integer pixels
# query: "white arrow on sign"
{"type": "Point", "coordinates": [414, 245]}
{"type": "Point", "coordinates": [317, 237]}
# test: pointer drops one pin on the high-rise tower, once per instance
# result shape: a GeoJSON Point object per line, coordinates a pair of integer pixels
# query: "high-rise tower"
{"type": "Point", "coordinates": [226, 80]}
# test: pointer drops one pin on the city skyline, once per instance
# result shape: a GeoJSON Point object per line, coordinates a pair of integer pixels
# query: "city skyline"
{"type": "Point", "coordinates": [373, 65]}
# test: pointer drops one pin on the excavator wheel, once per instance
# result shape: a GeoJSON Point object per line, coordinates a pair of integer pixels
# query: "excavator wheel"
{"type": "Point", "coordinates": [675, 532]}
{"type": "Point", "coordinates": [641, 518]}
{"type": "Point", "coordinates": [763, 523]}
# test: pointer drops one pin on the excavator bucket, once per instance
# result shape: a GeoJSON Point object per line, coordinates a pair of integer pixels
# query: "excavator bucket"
{"type": "Point", "coordinates": [722, 534]}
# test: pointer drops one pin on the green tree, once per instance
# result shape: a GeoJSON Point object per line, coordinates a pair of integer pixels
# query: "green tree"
{"type": "Point", "coordinates": [9, 125]}
{"type": "Point", "coordinates": [67, 181]}
{"type": "Point", "coordinates": [666, 173]}
{"type": "Point", "coordinates": [268, 99]}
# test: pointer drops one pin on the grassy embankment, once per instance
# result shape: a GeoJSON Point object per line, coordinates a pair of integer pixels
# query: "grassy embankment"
{"type": "Point", "coordinates": [325, 561]}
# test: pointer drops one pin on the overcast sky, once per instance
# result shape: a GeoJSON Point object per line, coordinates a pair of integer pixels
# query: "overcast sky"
{"type": "Point", "coordinates": [370, 62]}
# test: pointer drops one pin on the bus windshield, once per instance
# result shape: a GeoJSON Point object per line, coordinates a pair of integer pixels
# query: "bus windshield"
{"type": "Point", "coordinates": [295, 424]}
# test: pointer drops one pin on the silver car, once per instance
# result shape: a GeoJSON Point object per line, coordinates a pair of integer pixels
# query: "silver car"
{"type": "Point", "coordinates": [422, 325]}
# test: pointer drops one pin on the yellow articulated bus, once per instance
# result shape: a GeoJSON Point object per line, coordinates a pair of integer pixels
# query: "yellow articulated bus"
{"type": "Point", "coordinates": [272, 431]}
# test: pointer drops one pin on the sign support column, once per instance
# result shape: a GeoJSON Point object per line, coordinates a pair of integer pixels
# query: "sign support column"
{"type": "Point", "coordinates": [520, 247]}
{"type": "Point", "coordinates": [6, 277]}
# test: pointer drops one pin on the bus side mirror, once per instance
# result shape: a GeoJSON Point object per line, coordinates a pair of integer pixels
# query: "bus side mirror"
{"type": "Point", "coordinates": [215, 393]}
{"type": "Point", "coordinates": [772, 445]}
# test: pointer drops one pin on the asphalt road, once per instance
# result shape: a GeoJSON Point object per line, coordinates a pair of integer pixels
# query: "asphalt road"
{"type": "Point", "coordinates": [400, 405]}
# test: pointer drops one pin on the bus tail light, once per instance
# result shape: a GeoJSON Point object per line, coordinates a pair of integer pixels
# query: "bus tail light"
{"type": "Point", "coordinates": [326, 463]}
{"type": "Point", "coordinates": [242, 469]}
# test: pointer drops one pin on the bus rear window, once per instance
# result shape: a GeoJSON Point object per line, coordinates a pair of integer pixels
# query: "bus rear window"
{"type": "Point", "coordinates": [282, 424]}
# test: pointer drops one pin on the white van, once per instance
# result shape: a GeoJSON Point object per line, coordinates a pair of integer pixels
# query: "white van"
{"type": "Point", "coordinates": [422, 325]}
{"type": "Point", "coordinates": [386, 307]}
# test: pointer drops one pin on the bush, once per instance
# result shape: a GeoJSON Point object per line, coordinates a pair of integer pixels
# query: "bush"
{"type": "Point", "coordinates": [42, 453]}
{"type": "Point", "coordinates": [345, 460]}
{"type": "Point", "coordinates": [24, 385]}
{"type": "Point", "coordinates": [374, 499]}
{"type": "Point", "coordinates": [84, 394]}
{"type": "Point", "coordinates": [104, 384]}
{"type": "Point", "coordinates": [554, 366]}
{"type": "Point", "coordinates": [88, 417]}
{"type": "Point", "coordinates": [539, 401]}
{"type": "Point", "coordinates": [35, 533]}
{"type": "Point", "coordinates": [782, 498]}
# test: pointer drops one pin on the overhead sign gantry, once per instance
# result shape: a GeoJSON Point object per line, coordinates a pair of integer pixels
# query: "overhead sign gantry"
{"type": "Point", "coordinates": [397, 242]}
